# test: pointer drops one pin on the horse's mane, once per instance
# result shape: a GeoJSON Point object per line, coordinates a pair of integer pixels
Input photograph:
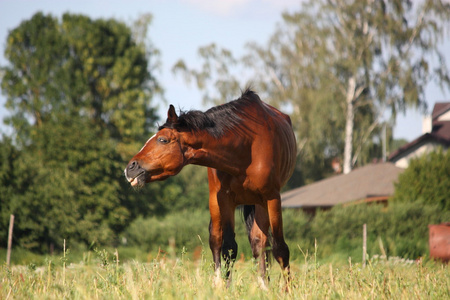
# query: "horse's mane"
{"type": "Point", "coordinates": [218, 120]}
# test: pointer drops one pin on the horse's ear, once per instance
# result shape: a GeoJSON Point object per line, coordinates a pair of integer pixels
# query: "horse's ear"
{"type": "Point", "coordinates": [172, 115]}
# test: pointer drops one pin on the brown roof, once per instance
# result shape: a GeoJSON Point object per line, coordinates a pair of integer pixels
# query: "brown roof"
{"type": "Point", "coordinates": [375, 180]}
{"type": "Point", "coordinates": [441, 128]}
{"type": "Point", "coordinates": [419, 141]}
{"type": "Point", "coordinates": [440, 131]}
{"type": "Point", "coordinates": [440, 108]}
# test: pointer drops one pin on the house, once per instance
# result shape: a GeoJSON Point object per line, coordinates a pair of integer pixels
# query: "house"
{"type": "Point", "coordinates": [434, 136]}
{"type": "Point", "coordinates": [371, 183]}
{"type": "Point", "coordinates": [375, 182]}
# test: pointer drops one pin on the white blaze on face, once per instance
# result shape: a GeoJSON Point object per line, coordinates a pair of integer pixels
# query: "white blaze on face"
{"type": "Point", "coordinates": [147, 142]}
{"type": "Point", "coordinates": [131, 180]}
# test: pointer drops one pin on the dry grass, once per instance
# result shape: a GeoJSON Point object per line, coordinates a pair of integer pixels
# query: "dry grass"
{"type": "Point", "coordinates": [182, 278]}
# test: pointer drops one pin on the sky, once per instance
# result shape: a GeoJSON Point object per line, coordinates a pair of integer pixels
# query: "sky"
{"type": "Point", "coordinates": [179, 28]}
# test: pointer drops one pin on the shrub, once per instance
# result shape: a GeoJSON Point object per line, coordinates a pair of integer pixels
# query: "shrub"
{"type": "Point", "coordinates": [183, 227]}
{"type": "Point", "coordinates": [427, 179]}
{"type": "Point", "coordinates": [188, 229]}
{"type": "Point", "coordinates": [402, 229]}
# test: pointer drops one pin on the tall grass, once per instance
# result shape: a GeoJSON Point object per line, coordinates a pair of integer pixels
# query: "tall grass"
{"type": "Point", "coordinates": [177, 276]}
{"type": "Point", "coordinates": [168, 258]}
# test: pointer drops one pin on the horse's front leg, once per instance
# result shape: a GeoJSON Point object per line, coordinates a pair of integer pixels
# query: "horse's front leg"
{"type": "Point", "coordinates": [222, 241]}
{"type": "Point", "coordinates": [215, 225]}
{"type": "Point", "coordinates": [221, 228]}
{"type": "Point", "coordinates": [215, 244]}
{"type": "Point", "coordinates": [280, 249]}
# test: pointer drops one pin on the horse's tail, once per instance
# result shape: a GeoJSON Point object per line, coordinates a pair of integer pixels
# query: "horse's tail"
{"type": "Point", "coordinates": [249, 217]}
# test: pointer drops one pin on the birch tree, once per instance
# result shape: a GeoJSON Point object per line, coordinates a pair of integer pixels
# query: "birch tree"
{"type": "Point", "coordinates": [344, 69]}
{"type": "Point", "coordinates": [374, 57]}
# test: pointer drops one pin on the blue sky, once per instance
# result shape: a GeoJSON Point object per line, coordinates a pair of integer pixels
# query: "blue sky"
{"type": "Point", "coordinates": [179, 28]}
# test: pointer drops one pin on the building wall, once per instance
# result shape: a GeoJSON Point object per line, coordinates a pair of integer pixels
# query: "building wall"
{"type": "Point", "coordinates": [444, 117]}
{"type": "Point", "coordinates": [419, 150]}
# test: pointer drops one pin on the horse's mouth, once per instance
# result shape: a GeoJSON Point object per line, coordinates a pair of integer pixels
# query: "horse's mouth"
{"type": "Point", "coordinates": [133, 181]}
{"type": "Point", "coordinates": [143, 177]}
{"type": "Point", "coordinates": [138, 180]}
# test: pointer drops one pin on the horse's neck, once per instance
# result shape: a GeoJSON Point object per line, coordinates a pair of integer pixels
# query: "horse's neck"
{"type": "Point", "coordinates": [225, 154]}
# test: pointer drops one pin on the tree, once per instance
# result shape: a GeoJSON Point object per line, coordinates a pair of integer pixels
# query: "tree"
{"type": "Point", "coordinates": [341, 67]}
{"type": "Point", "coordinates": [362, 55]}
{"type": "Point", "coordinates": [8, 154]}
{"type": "Point", "coordinates": [79, 92]}
{"type": "Point", "coordinates": [80, 66]}
{"type": "Point", "coordinates": [216, 70]}
{"type": "Point", "coordinates": [66, 185]}
{"type": "Point", "coordinates": [381, 60]}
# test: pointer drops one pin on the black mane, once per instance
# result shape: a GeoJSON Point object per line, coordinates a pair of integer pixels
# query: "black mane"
{"type": "Point", "coordinates": [218, 120]}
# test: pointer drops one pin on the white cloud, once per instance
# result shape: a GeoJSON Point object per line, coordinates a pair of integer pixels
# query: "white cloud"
{"type": "Point", "coordinates": [230, 7]}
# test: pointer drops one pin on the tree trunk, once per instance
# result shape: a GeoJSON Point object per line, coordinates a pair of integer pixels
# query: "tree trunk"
{"type": "Point", "coordinates": [349, 122]}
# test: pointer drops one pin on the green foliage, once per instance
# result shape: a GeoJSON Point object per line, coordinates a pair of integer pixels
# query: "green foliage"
{"type": "Point", "coordinates": [188, 228]}
{"type": "Point", "coordinates": [179, 229]}
{"type": "Point", "coordinates": [79, 66]}
{"type": "Point", "coordinates": [188, 190]}
{"type": "Point", "coordinates": [66, 185]}
{"type": "Point", "coordinates": [8, 154]}
{"type": "Point", "coordinates": [427, 179]}
{"type": "Point", "coordinates": [79, 92]}
{"type": "Point", "coordinates": [216, 69]}
{"type": "Point", "coordinates": [401, 227]}
{"type": "Point", "coordinates": [399, 230]}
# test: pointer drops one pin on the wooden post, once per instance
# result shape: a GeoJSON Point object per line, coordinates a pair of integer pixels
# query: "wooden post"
{"type": "Point", "coordinates": [8, 252]}
{"type": "Point", "coordinates": [364, 244]}
{"type": "Point", "coordinates": [64, 263]}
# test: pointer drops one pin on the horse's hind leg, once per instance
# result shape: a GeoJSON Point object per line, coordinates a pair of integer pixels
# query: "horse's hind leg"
{"type": "Point", "coordinates": [258, 237]}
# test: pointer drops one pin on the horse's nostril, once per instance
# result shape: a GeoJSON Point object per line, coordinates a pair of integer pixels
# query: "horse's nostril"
{"type": "Point", "coordinates": [132, 166]}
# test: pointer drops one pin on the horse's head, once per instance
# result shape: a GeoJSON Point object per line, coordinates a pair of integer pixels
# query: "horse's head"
{"type": "Point", "coordinates": [159, 158]}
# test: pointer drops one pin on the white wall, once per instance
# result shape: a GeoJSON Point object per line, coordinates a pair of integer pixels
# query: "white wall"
{"type": "Point", "coordinates": [417, 151]}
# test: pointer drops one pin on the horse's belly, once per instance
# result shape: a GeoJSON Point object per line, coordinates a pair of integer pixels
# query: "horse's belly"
{"type": "Point", "coordinates": [248, 192]}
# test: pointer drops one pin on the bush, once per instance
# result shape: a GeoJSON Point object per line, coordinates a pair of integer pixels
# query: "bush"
{"type": "Point", "coordinates": [183, 227]}
{"type": "Point", "coordinates": [401, 229]}
{"type": "Point", "coordinates": [188, 229]}
{"type": "Point", "coordinates": [426, 179]}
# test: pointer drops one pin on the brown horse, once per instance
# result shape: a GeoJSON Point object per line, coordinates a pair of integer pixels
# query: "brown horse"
{"type": "Point", "coordinates": [250, 151]}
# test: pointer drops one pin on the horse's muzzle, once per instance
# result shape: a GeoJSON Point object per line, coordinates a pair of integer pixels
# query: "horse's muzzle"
{"type": "Point", "coordinates": [135, 174]}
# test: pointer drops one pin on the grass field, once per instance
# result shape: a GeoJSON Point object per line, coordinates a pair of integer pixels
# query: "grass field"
{"type": "Point", "coordinates": [103, 276]}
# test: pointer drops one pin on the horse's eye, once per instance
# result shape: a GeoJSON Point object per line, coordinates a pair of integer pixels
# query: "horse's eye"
{"type": "Point", "coordinates": [163, 140]}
